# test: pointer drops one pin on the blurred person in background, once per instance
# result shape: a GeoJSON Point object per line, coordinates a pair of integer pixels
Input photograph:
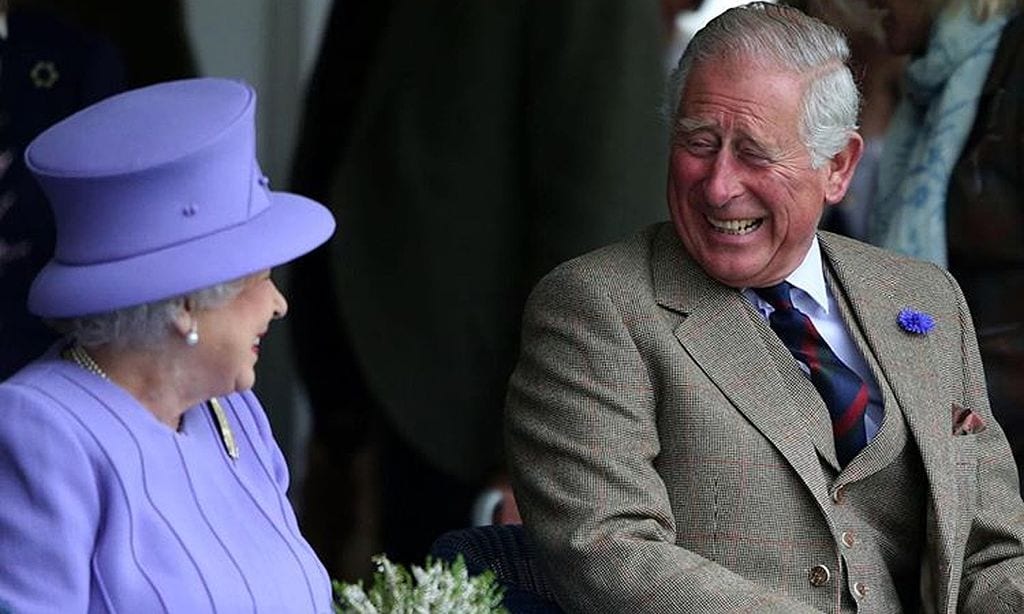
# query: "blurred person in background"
{"type": "Point", "coordinates": [676, 37]}
{"type": "Point", "coordinates": [152, 37]}
{"type": "Point", "coordinates": [951, 183]}
{"type": "Point", "coordinates": [459, 144]}
{"type": "Point", "coordinates": [49, 68]}
{"type": "Point", "coordinates": [878, 72]}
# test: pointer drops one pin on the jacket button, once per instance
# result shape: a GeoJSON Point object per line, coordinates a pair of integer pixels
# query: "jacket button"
{"type": "Point", "coordinates": [819, 575]}
{"type": "Point", "coordinates": [860, 590]}
{"type": "Point", "coordinates": [848, 539]}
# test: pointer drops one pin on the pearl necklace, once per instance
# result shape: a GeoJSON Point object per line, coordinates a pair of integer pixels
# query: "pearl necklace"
{"type": "Point", "coordinates": [77, 354]}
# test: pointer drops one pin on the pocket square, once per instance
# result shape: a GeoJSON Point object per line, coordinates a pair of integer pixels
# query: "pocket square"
{"type": "Point", "coordinates": [966, 422]}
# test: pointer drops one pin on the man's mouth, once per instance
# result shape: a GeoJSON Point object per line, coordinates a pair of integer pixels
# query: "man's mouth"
{"type": "Point", "coordinates": [736, 227]}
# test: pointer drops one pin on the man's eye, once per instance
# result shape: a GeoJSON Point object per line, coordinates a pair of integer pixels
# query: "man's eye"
{"type": "Point", "coordinates": [699, 147]}
{"type": "Point", "coordinates": [754, 155]}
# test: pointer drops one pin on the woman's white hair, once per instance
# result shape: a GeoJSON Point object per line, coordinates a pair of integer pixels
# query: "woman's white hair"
{"type": "Point", "coordinates": [781, 36]}
{"type": "Point", "coordinates": [143, 325]}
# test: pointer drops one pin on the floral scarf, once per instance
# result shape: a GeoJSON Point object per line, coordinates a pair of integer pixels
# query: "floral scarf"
{"type": "Point", "coordinates": [928, 132]}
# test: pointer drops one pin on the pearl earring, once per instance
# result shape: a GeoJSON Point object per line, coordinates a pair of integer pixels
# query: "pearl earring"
{"type": "Point", "coordinates": [192, 337]}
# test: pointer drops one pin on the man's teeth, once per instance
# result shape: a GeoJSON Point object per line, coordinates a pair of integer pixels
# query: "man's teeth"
{"type": "Point", "coordinates": [736, 227]}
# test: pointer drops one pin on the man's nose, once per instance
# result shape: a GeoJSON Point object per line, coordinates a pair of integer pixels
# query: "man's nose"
{"type": "Point", "coordinates": [723, 181]}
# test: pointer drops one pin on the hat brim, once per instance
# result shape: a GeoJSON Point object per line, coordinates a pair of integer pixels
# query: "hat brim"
{"type": "Point", "coordinates": [291, 226]}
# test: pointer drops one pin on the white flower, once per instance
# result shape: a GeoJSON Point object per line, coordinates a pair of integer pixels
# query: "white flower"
{"type": "Point", "coordinates": [434, 589]}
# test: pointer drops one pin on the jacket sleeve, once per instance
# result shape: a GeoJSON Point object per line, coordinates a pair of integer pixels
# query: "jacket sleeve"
{"type": "Point", "coordinates": [993, 565]}
{"type": "Point", "coordinates": [583, 444]}
{"type": "Point", "coordinates": [49, 507]}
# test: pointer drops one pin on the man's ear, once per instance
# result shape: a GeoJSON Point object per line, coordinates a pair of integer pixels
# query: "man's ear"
{"type": "Point", "coordinates": [841, 167]}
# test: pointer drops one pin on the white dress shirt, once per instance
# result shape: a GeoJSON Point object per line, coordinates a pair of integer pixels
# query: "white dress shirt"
{"type": "Point", "coordinates": [811, 296]}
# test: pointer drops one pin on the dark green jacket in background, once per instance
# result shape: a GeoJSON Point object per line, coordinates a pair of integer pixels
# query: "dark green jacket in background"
{"type": "Point", "coordinates": [491, 140]}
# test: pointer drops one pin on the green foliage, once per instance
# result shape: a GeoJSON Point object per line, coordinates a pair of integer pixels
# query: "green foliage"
{"type": "Point", "coordinates": [435, 589]}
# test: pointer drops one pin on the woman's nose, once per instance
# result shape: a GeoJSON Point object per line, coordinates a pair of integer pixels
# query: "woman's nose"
{"type": "Point", "coordinates": [280, 304]}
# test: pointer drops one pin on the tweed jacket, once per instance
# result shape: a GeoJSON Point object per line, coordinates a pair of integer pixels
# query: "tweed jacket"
{"type": "Point", "coordinates": [663, 461]}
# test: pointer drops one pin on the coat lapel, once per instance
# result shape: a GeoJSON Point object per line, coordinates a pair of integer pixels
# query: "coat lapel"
{"type": "Point", "coordinates": [715, 327]}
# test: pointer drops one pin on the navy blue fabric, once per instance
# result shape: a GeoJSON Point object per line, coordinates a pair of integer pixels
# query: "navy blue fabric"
{"type": "Point", "coordinates": [504, 550]}
{"type": "Point", "coordinates": [50, 70]}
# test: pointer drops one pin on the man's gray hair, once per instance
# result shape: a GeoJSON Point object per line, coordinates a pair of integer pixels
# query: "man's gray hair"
{"type": "Point", "coordinates": [143, 325]}
{"type": "Point", "coordinates": [783, 37]}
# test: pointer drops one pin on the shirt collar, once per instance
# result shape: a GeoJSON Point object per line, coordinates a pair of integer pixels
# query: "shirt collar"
{"type": "Point", "coordinates": [810, 277]}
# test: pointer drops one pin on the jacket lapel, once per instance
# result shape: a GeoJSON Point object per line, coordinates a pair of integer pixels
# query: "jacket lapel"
{"type": "Point", "coordinates": [714, 325]}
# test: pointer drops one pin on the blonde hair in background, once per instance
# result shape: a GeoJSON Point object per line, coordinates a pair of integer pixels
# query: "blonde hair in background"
{"type": "Point", "coordinates": [982, 9]}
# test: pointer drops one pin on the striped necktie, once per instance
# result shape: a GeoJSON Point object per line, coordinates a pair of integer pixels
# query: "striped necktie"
{"type": "Point", "coordinates": [844, 392]}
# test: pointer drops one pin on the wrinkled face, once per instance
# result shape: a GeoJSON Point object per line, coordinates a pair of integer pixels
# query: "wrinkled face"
{"type": "Point", "coordinates": [230, 334]}
{"type": "Point", "coordinates": [907, 24]}
{"type": "Point", "coordinates": [741, 191]}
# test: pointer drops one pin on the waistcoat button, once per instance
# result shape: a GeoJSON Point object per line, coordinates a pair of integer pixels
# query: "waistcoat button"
{"type": "Point", "coordinates": [860, 590]}
{"type": "Point", "coordinates": [819, 575]}
{"type": "Point", "coordinates": [848, 539]}
{"type": "Point", "coordinates": [839, 494]}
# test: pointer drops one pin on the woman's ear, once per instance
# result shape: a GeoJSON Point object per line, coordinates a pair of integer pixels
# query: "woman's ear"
{"type": "Point", "coordinates": [183, 317]}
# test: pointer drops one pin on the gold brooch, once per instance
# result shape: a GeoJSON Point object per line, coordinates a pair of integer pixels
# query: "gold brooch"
{"type": "Point", "coordinates": [226, 436]}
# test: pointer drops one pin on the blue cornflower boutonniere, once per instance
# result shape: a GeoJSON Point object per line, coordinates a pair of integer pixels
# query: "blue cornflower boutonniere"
{"type": "Point", "coordinates": [915, 322]}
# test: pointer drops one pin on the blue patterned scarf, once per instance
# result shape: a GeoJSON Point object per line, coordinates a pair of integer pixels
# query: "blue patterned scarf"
{"type": "Point", "coordinates": [928, 132]}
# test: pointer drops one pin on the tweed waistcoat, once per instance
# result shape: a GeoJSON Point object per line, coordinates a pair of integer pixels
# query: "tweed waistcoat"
{"type": "Point", "coordinates": [880, 542]}
{"type": "Point", "coordinates": [879, 500]}
{"type": "Point", "coordinates": [877, 520]}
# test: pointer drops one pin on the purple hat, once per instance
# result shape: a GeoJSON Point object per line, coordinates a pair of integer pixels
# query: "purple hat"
{"type": "Point", "coordinates": [156, 193]}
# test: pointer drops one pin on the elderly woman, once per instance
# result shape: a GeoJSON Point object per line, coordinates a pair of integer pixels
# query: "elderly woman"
{"type": "Point", "coordinates": [138, 473]}
{"type": "Point", "coordinates": [951, 188]}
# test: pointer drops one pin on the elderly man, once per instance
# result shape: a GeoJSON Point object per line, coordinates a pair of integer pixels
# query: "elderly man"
{"type": "Point", "coordinates": [734, 413]}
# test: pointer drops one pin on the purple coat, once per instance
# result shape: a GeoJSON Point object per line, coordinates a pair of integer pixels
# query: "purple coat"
{"type": "Point", "coordinates": [105, 509]}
